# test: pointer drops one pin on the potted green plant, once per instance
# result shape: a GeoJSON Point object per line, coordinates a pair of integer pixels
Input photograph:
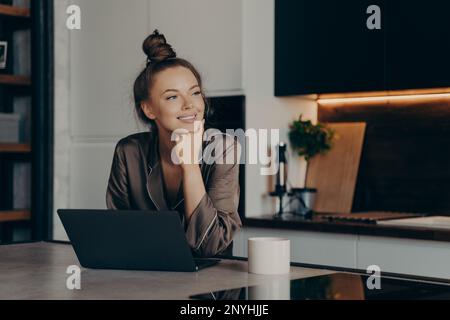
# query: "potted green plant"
{"type": "Point", "coordinates": [308, 140]}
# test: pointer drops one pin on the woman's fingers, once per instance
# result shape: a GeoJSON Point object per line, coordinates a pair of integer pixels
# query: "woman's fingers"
{"type": "Point", "coordinates": [188, 148]}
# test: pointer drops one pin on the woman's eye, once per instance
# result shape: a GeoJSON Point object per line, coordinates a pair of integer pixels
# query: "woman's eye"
{"type": "Point", "coordinates": [171, 97]}
{"type": "Point", "coordinates": [196, 93]}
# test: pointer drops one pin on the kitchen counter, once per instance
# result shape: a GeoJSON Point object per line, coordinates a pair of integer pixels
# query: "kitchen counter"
{"type": "Point", "coordinates": [38, 271]}
{"type": "Point", "coordinates": [317, 224]}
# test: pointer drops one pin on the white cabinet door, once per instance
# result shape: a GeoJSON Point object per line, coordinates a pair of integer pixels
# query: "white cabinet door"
{"type": "Point", "coordinates": [105, 59]}
{"type": "Point", "coordinates": [208, 33]}
{"type": "Point", "coordinates": [326, 249]}
{"type": "Point", "coordinates": [95, 68]}
{"type": "Point", "coordinates": [90, 166]}
{"type": "Point", "coordinates": [89, 171]}
{"type": "Point", "coordinates": [405, 256]}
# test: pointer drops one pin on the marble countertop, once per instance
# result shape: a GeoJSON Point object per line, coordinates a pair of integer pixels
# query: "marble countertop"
{"type": "Point", "coordinates": [38, 271]}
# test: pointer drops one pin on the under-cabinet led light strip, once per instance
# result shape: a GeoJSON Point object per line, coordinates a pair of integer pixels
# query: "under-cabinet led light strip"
{"type": "Point", "coordinates": [324, 101]}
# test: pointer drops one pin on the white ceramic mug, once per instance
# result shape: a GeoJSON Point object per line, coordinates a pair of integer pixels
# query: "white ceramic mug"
{"type": "Point", "coordinates": [269, 255]}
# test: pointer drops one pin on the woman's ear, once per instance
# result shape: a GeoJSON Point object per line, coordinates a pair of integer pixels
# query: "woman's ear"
{"type": "Point", "coordinates": [148, 110]}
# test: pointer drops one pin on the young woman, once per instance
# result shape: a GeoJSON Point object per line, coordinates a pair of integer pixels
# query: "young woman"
{"type": "Point", "coordinates": [168, 96]}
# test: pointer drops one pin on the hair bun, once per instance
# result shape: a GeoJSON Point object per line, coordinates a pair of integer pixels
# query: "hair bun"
{"type": "Point", "coordinates": [157, 49]}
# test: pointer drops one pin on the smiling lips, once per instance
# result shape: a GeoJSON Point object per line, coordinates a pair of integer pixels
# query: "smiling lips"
{"type": "Point", "coordinates": [188, 119]}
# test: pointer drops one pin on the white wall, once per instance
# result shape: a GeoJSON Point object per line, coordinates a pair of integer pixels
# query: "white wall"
{"type": "Point", "coordinates": [61, 117]}
{"type": "Point", "coordinates": [263, 110]}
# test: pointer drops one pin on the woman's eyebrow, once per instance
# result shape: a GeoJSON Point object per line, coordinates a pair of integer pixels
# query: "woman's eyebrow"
{"type": "Point", "coordinates": [175, 90]}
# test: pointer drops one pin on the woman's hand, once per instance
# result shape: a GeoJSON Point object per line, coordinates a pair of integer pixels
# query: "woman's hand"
{"type": "Point", "coordinates": [187, 153]}
{"type": "Point", "coordinates": [188, 149]}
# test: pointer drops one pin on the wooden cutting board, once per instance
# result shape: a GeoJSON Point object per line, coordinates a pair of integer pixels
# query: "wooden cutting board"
{"type": "Point", "coordinates": [334, 174]}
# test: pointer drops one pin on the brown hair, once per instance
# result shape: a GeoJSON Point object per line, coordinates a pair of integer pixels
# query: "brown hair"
{"type": "Point", "coordinates": [160, 56]}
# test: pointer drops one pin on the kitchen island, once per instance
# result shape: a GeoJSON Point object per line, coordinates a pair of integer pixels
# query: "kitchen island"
{"type": "Point", "coordinates": [39, 271]}
{"type": "Point", "coordinates": [43, 271]}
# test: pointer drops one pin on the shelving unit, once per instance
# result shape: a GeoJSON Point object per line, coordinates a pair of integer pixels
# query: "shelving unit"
{"type": "Point", "coordinates": [15, 215]}
{"type": "Point", "coordinates": [14, 80]}
{"type": "Point", "coordinates": [37, 149]}
{"type": "Point", "coordinates": [15, 148]}
{"type": "Point", "coordinates": [12, 11]}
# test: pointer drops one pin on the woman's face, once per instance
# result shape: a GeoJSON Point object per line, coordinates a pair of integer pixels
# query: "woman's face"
{"type": "Point", "coordinates": [176, 100]}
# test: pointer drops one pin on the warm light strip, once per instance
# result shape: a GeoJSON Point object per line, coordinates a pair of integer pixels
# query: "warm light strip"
{"type": "Point", "coordinates": [383, 98]}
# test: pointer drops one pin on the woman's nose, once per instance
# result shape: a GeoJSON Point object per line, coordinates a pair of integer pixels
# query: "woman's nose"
{"type": "Point", "coordinates": [188, 105]}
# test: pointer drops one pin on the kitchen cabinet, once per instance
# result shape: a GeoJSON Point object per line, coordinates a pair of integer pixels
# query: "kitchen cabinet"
{"type": "Point", "coordinates": [94, 74]}
{"type": "Point", "coordinates": [306, 247]}
{"type": "Point", "coordinates": [414, 257]}
{"type": "Point", "coordinates": [325, 46]}
{"type": "Point", "coordinates": [418, 44]}
{"type": "Point", "coordinates": [208, 33]}
{"type": "Point", "coordinates": [101, 77]}
{"type": "Point", "coordinates": [406, 256]}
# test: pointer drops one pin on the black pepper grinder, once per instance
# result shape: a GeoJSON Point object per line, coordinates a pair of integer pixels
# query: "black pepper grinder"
{"type": "Point", "coordinates": [280, 186]}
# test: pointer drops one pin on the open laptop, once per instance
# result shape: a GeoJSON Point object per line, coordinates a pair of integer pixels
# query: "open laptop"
{"type": "Point", "coordinates": [130, 240]}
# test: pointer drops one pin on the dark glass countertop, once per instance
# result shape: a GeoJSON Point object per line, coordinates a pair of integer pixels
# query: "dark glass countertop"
{"type": "Point", "coordinates": [338, 286]}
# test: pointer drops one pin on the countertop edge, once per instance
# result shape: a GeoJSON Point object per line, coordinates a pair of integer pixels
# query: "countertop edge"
{"type": "Point", "coordinates": [418, 233]}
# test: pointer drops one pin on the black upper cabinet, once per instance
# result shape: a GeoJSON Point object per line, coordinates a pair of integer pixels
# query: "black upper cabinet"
{"type": "Point", "coordinates": [418, 44]}
{"type": "Point", "coordinates": [325, 46]}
